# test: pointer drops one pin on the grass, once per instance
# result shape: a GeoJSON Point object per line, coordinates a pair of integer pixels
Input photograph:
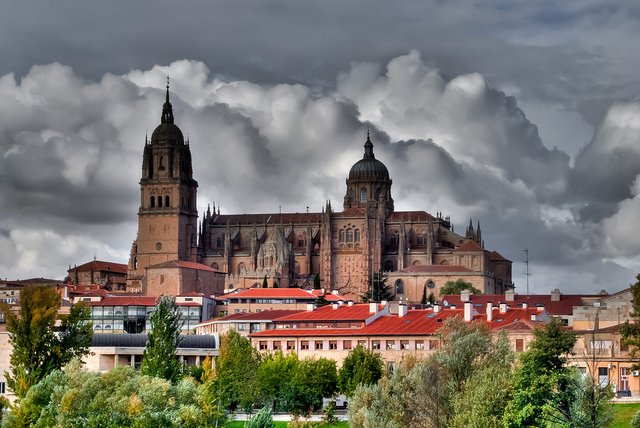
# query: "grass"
{"type": "Point", "coordinates": [622, 414]}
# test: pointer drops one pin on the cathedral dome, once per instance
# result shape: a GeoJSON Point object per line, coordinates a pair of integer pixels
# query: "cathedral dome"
{"type": "Point", "coordinates": [167, 132]}
{"type": "Point", "coordinates": [368, 168]}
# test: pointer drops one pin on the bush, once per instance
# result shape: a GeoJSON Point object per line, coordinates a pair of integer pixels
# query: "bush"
{"type": "Point", "coordinates": [262, 419]}
{"type": "Point", "coordinates": [635, 422]}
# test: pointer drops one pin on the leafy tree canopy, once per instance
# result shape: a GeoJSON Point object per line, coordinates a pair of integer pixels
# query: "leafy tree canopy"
{"type": "Point", "coordinates": [457, 286]}
{"type": "Point", "coordinates": [159, 358]}
{"type": "Point", "coordinates": [39, 347]}
{"type": "Point", "coordinates": [360, 367]}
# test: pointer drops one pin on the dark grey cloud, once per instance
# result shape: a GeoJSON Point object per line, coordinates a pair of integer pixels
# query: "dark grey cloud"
{"type": "Point", "coordinates": [276, 99]}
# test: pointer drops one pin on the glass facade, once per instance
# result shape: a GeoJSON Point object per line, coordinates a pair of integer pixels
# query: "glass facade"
{"type": "Point", "coordinates": [136, 319]}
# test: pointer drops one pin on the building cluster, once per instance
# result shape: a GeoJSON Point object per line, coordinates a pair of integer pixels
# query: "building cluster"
{"type": "Point", "coordinates": [255, 274]}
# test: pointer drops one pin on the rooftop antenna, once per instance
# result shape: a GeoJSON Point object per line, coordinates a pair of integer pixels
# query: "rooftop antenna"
{"type": "Point", "coordinates": [526, 263]}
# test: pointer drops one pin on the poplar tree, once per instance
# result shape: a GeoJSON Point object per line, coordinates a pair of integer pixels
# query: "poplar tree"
{"type": "Point", "coordinates": [39, 347]}
{"type": "Point", "coordinates": [159, 359]}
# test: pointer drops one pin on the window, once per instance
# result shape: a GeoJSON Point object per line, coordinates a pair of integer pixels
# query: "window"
{"type": "Point", "coordinates": [318, 345]}
{"type": "Point", "coordinates": [519, 345]}
{"type": "Point", "coordinates": [434, 344]}
{"type": "Point", "coordinates": [341, 235]}
{"type": "Point", "coordinates": [152, 202]}
{"type": "Point", "coordinates": [362, 343]}
{"type": "Point", "coordinates": [395, 240]}
{"type": "Point", "coordinates": [363, 195]}
{"type": "Point", "coordinates": [391, 344]}
{"type": "Point", "coordinates": [356, 235]}
{"type": "Point", "coordinates": [419, 344]}
{"type": "Point", "coordinates": [388, 266]}
{"type": "Point", "coordinates": [399, 287]}
{"type": "Point", "coordinates": [333, 344]}
{"type": "Point", "coordinates": [375, 344]}
{"type": "Point", "coordinates": [277, 345]}
{"type": "Point", "coordinates": [159, 201]}
{"type": "Point", "coordinates": [291, 345]}
{"type": "Point", "coordinates": [346, 344]}
{"type": "Point", "coordinates": [219, 242]}
{"type": "Point", "coordinates": [3, 387]}
{"type": "Point", "coordinates": [404, 344]}
{"type": "Point", "coordinates": [304, 345]}
{"type": "Point", "coordinates": [420, 240]}
{"type": "Point", "coordinates": [349, 235]}
{"type": "Point", "coordinates": [167, 202]}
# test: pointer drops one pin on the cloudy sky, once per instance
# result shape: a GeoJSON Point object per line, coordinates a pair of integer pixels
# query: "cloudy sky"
{"type": "Point", "coordinates": [524, 115]}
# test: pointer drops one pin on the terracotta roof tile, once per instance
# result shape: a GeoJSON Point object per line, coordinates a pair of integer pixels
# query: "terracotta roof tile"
{"type": "Point", "coordinates": [469, 246]}
{"type": "Point", "coordinates": [357, 312]}
{"type": "Point", "coordinates": [268, 315]}
{"type": "Point", "coordinates": [497, 257]}
{"type": "Point", "coordinates": [270, 293]}
{"type": "Point", "coordinates": [102, 266]}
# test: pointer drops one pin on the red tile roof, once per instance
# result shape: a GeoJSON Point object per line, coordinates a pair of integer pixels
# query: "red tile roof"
{"type": "Point", "coordinates": [351, 212]}
{"type": "Point", "coordinates": [436, 269]}
{"type": "Point", "coordinates": [269, 315]}
{"type": "Point", "coordinates": [102, 266]}
{"type": "Point", "coordinates": [497, 257]}
{"type": "Point", "coordinates": [357, 312]}
{"type": "Point", "coordinates": [133, 301]}
{"type": "Point", "coordinates": [270, 293]}
{"type": "Point", "coordinates": [414, 323]}
{"type": "Point", "coordinates": [185, 265]}
{"type": "Point", "coordinates": [329, 296]}
{"type": "Point", "coordinates": [562, 307]}
{"type": "Point", "coordinates": [469, 246]}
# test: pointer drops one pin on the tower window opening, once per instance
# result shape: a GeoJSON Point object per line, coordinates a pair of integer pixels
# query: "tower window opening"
{"type": "Point", "coordinates": [152, 202]}
{"type": "Point", "coordinates": [159, 201]}
{"type": "Point", "coordinates": [219, 242]}
{"type": "Point", "coordinates": [167, 201]}
{"type": "Point", "coordinates": [395, 240]}
{"type": "Point", "coordinates": [357, 235]}
{"type": "Point", "coordinates": [399, 287]}
{"type": "Point", "coordinates": [363, 195]}
{"type": "Point", "coordinates": [421, 240]}
{"type": "Point", "coordinates": [349, 235]}
{"type": "Point", "coordinates": [161, 166]}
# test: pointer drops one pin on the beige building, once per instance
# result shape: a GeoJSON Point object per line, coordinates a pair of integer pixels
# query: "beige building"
{"type": "Point", "coordinates": [344, 247]}
{"type": "Point", "coordinates": [108, 275]}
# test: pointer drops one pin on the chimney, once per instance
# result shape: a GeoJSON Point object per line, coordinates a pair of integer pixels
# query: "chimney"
{"type": "Point", "coordinates": [350, 303]}
{"type": "Point", "coordinates": [373, 308]}
{"type": "Point", "coordinates": [555, 295]}
{"type": "Point", "coordinates": [503, 307]}
{"type": "Point", "coordinates": [436, 308]}
{"type": "Point", "coordinates": [383, 302]}
{"type": "Point", "coordinates": [453, 307]}
{"type": "Point", "coordinates": [465, 296]}
{"type": "Point", "coordinates": [489, 311]}
{"type": "Point", "coordinates": [334, 306]}
{"type": "Point", "coordinates": [509, 295]}
{"type": "Point", "coordinates": [534, 317]}
{"type": "Point", "coordinates": [402, 310]}
{"type": "Point", "coordinates": [468, 311]}
{"type": "Point", "coordinates": [310, 307]}
{"type": "Point", "coordinates": [525, 305]}
{"type": "Point", "coordinates": [540, 308]}
{"type": "Point", "coordinates": [335, 292]}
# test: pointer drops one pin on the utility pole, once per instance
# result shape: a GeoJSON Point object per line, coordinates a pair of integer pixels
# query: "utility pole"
{"type": "Point", "coordinates": [526, 263]}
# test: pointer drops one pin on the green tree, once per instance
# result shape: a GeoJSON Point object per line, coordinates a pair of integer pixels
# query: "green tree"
{"type": "Point", "coordinates": [631, 330]}
{"type": "Point", "coordinates": [457, 286]}
{"type": "Point", "coordinates": [541, 381]}
{"type": "Point", "coordinates": [38, 346]}
{"type": "Point", "coordinates": [321, 301]}
{"type": "Point", "coordinates": [265, 284]}
{"type": "Point", "coordinates": [159, 358]}
{"type": "Point", "coordinates": [378, 289]}
{"type": "Point", "coordinates": [235, 372]}
{"type": "Point", "coordinates": [431, 298]}
{"type": "Point", "coordinates": [423, 301]}
{"type": "Point", "coordinates": [360, 367]}
{"type": "Point", "coordinates": [316, 282]}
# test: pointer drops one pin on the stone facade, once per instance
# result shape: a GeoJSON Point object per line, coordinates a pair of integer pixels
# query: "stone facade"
{"type": "Point", "coordinates": [417, 249]}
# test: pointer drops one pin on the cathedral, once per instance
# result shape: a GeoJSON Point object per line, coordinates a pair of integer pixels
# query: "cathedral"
{"type": "Point", "coordinates": [418, 251]}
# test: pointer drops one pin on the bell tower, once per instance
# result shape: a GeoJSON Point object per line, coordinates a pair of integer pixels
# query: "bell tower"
{"type": "Point", "coordinates": [168, 216]}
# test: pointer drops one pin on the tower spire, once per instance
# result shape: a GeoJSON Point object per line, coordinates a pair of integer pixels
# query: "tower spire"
{"type": "Point", "coordinates": [368, 147]}
{"type": "Point", "coordinates": [167, 109]}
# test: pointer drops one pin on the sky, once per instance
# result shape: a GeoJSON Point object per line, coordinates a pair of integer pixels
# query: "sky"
{"type": "Point", "coordinates": [521, 114]}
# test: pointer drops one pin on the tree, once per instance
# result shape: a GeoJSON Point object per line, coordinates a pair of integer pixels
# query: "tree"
{"type": "Point", "coordinates": [431, 298]}
{"type": "Point", "coordinates": [39, 347]}
{"type": "Point", "coordinates": [631, 330]}
{"type": "Point", "coordinates": [378, 289]}
{"type": "Point", "coordinates": [275, 283]}
{"type": "Point", "coordinates": [541, 380]}
{"type": "Point", "coordinates": [360, 367]}
{"type": "Point", "coordinates": [316, 282]}
{"type": "Point", "coordinates": [159, 358]}
{"type": "Point", "coordinates": [265, 284]}
{"type": "Point", "coordinates": [262, 419]}
{"type": "Point", "coordinates": [321, 301]}
{"type": "Point", "coordinates": [423, 301]}
{"type": "Point", "coordinates": [455, 287]}
{"type": "Point", "coordinates": [235, 372]}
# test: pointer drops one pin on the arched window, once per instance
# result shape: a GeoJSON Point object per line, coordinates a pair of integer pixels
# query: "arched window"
{"type": "Point", "coordinates": [349, 235]}
{"type": "Point", "coordinates": [357, 235]}
{"type": "Point", "coordinates": [241, 269]}
{"type": "Point", "coordinates": [430, 284]}
{"type": "Point", "coordinates": [152, 202]}
{"type": "Point", "coordinates": [395, 240]}
{"type": "Point", "coordinates": [159, 201]}
{"type": "Point", "coordinates": [167, 202]}
{"type": "Point", "coordinates": [341, 235]}
{"type": "Point", "coordinates": [399, 287]}
{"type": "Point", "coordinates": [363, 195]}
{"type": "Point", "coordinates": [388, 266]}
{"type": "Point", "coordinates": [215, 266]}
{"type": "Point", "coordinates": [420, 239]}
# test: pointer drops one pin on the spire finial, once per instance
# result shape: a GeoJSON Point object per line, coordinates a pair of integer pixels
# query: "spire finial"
{"type": "Point", "coordinates": [368, 147]}
{"type": "Point", "coordinates": [167, 110]}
